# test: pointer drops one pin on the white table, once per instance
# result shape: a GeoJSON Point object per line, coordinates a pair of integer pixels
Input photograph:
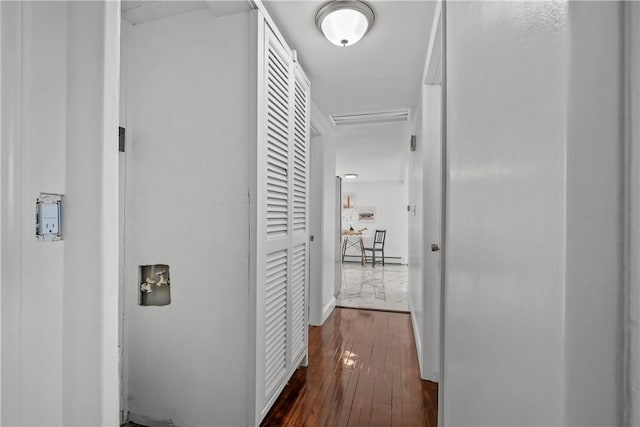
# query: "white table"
{"type": "Point", "coordinates": [354, 240]}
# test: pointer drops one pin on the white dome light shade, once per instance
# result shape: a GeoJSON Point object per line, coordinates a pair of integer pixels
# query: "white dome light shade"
{"type": "Point", "coordinates": [344, 22]}
{"type": "Point", "coordinates": [344, 27]}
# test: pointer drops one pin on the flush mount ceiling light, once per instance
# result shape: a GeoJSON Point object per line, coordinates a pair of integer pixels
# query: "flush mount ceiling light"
{"type": "Point", "coordinates": [345, 22]}
{"type": "Point", "coordinates": [350, 176]}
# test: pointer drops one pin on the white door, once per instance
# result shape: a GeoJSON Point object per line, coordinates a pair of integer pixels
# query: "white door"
{"type": "Point", "coordinates": [300, 203]}
{"type": "Point", "coordinates": [122, 162]}
{"type": "Point", "coordinates": [274, 219]}
{"type": "Point", "coordinates": [337, 283]}
{"type": "Point", "coordinates": [432, 201]}
{"type": "Point", "coordinates": [282, 236]}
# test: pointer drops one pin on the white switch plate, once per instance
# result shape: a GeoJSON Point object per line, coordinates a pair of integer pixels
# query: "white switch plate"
{"type": "Point", "coordinates": [49, 217]}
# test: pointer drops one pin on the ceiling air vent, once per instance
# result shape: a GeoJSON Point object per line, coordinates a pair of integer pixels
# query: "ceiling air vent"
{"type": "Point", "coordinates": [371, 118]}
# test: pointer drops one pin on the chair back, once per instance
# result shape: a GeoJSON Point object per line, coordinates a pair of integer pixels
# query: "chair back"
{"type": "Point", "coordinates": [379, 238]}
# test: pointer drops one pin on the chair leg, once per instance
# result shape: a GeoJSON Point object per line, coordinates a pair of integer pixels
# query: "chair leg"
{"type": "Point", "coordinates": [344, 248]}
{"type": "Point", "coordinates": [383, 257]}
{"type": "Point", "coordinates": [373, 254]}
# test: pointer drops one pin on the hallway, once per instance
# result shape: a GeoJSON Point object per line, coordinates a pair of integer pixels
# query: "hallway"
{"type": "Point", "coordinates": [497, 143]}
{"type": "Point", "coordinates": [362, 371]}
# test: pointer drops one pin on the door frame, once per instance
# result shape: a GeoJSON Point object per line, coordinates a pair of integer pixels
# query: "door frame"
{"type": "Point", "coordinates": [433, 82]}
{"type": "Point", "coordinates": [321, 133]}
{"type": "Point", "coordinates": [631, 212]}
{"type": "Point", "coordinates": [441, 36]}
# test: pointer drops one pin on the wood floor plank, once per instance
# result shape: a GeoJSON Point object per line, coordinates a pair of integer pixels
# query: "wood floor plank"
{"type": "Point", "coordinates": [362, 371]}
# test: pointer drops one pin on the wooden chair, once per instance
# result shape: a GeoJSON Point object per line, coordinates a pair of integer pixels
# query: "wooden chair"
{"type": "Point", "coordinates": [378, 245]}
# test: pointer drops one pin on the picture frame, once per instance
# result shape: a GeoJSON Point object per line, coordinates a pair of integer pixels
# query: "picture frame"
{"type": "Point", "coordinates": [367, 214]}
{"type": "Point", "coordinates": [347, 200]}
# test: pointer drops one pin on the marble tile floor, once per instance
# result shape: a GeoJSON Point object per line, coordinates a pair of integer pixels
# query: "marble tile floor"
{"type": "Point", "coordinates": [377, 288]}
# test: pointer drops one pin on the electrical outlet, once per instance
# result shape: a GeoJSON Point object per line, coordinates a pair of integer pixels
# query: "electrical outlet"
{"type": "Point", "coordinates": [49, 217]}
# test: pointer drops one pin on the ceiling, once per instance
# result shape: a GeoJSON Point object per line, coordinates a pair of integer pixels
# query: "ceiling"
{"type": "Point", "coordinates": [381, 72]}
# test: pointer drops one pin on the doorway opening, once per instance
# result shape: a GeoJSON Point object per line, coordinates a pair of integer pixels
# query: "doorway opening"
{"type": "Point", "coordinates": [374, 220]}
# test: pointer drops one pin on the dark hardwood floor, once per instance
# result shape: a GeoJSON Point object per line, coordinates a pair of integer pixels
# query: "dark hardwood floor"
{"type": "Point", "coordinates": [363, 371]}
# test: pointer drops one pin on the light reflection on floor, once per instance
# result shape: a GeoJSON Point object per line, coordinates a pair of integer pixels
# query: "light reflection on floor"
{"type": "Point", "coordinates": [380, 288]}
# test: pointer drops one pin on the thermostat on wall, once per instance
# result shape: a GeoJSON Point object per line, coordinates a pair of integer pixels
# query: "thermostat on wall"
{"type": "Point", "coordinates": [49, 217]}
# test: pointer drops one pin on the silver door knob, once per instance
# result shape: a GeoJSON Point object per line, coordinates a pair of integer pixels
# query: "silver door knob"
{"type": "Point", "coordinates": [434, 247]}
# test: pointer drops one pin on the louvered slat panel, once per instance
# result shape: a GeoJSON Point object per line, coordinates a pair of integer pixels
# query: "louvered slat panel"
{"type": "Point", "coordinates": [301, 124]}
{"type": "Point", "coordinates": [275, 319]}
{"type": "Point", "coordinates": [298, 318]}
{"type": "Point", "coordinates": [277, 176]}
{"type": "Point", "coordinates": [282, 251]}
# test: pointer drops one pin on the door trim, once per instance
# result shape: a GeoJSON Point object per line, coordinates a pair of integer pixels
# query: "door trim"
{"type": "Point", "coordinates": [443, 215]}
{"type": "Point", "coordinates": [631, 212]}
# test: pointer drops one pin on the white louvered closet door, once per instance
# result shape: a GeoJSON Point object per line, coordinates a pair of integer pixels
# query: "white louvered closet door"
{"type": "Point", "coordinates": [274, 170]}
{"type": "Point", "coordinates": [282, 229]}
{"type": "Point", "coordinates": [299, 239]}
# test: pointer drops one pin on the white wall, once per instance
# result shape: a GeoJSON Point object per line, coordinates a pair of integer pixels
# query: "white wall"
{"type": "Point", "coordinates": [316, 211]}
{"type": "Point", "coordinates": [594, 200]}
{"type": "Point", "coordinates": [533, 238]}
{"type": "Point", "coordinates": [187, 206]}
{"type": "Point", "coordinates": [376, 153]}
{"type": "Point", "coordinates": [330, 228]}
{"type": "Point", "coordinates": [59, 299]}
{"type": "Point", "coordinates": [506, 140]}
{"type": "Point", "coordinates": [390, 198]}
{"type": "Point", "coordinates": [322, 223]}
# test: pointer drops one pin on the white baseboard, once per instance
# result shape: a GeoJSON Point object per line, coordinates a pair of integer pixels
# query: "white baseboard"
{"type": "Point", "coordinates": [328, 309]}
{"type": "Point", "coordinates": [418, 339]}
{"type": "Point", "coordinates": [424, 366]}
{"type": "Point", "coordinates": [146, 421]}
{"type": "Point", "coordinates": [387, 260]}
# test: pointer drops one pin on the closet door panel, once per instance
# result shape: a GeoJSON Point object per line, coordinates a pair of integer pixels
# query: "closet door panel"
{"type": "Point", "coordinates": [300, 199]}
{"type": "Point", "coordinates": [274, 255]}
{"type": "Point", "coordinates": [282, 259]}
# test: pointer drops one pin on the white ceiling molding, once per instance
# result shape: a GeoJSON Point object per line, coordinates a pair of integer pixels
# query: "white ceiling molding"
{"type": "Point", "coordinates": [139, 12]}
{"type": "Point", "coordinates": [319, 123]}
{"type": "Point", "coordinates": [371, 118]}
{"type": "Point", "coordinates": [228, 7]}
